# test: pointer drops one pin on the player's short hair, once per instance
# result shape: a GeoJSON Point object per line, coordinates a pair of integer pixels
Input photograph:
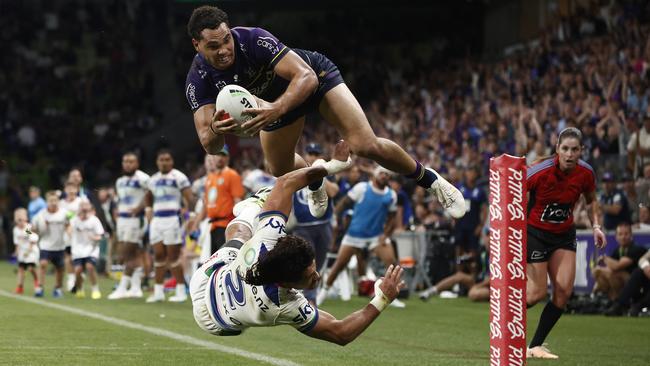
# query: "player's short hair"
{"type": "Point", "coordinates": [51, 194]}
{"type": "Point", "coordinates": [131, 153]}
{"type": "Point", "coordinates": [203, 17]}
{"type": "Point", "coordinates": [286, 262]}
{"type": "Point", "coordinates": [164, 151]}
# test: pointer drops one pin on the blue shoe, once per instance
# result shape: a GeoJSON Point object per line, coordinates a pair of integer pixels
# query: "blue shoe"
{"type": "Point", "coordinates": [38, 292]}
{"type": "Point", "coordinates": [57, 293]}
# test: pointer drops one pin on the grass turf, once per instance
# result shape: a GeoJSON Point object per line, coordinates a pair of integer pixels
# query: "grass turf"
{"type": "Point", "coordinates": [439, 332]}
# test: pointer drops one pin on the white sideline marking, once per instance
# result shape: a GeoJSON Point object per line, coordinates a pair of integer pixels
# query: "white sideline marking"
{"type": "Point", "coordinates": [155, 331]}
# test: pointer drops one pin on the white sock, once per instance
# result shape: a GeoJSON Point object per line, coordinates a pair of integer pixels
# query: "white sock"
{"type": "Point", "coordinates": [159, 290]}
{"type": "Point", "coordinates": [95, 288]}
{"type": "Point", "coordinates": [180, 289]}
{"type": "Point", "coordinates": [124, 283]}
{"type": "Point", "coordinates": [136, 279]}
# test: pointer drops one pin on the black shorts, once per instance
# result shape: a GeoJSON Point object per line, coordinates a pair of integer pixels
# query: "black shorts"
{"type": "Point", "coordinates": [541, 244]}
{"type": "Point", "coordinates": [328, 75]}
{"type": "Point", "coordinates": [466, 240]}
{"type": "Point", "coordinates": [54, 256]}
{"type": "Point", "coordinates": [24, 265]}
{"type": "Point", "coordinates": [82, 261]}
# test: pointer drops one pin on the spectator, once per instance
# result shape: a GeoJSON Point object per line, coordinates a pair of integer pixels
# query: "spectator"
{"type": "Point", "coordinates": [36, 202]}
{"type": "Point", "coordinates": [617, 266]}
{"type": "Point", "coordinates": [636, 291]}
{"type": "Point", "coordinates": [615, 206]}
{"type": "Point", "coordinates": [467, 230]}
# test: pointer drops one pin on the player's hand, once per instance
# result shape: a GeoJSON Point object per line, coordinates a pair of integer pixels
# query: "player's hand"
{"type": "Point", "coordinates": [599, 238]}
{"type": "Point", "coordinates": [264, 114]}
{"type": "Point", "coordinates": [341, 151]}
{"type": "Point", "coordinates": [222, 123]}
{"type": "Point", "coordinates": [392, 282]}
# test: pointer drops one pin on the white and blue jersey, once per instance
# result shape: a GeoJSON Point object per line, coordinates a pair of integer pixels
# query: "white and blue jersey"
{"type": "Point", "coordinates": [130, 192]}
{"type": "Point", "coordinates": [223, 304]}
{"type": "Point", "coordinates": [371, 208]}
{"type": "Point", "coordinates": [167, 192]}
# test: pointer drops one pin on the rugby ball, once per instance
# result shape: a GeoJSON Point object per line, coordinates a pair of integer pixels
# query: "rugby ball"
{"type": "Point", "coordinates": [233, 99]}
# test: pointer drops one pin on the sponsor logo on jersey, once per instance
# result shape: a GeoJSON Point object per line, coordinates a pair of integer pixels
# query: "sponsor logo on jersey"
{"type": "Point", "coordinates": [556, 213]}
{"type": "Point", "coordinates": [268, 43]}
{"type": "Point", "coordinates": [191, 95]}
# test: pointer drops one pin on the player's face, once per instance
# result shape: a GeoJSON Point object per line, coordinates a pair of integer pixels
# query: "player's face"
{"type": "Point", "coordinates": [20, 218]}
{"type": "Point", "coordinates": [71, 191]}
{"type": "Point", "coordinates": [381, 179]}
{"type": "Point", "coordinates": [210, 163]}
{"type": "Point", "coordinates": [216, 46]}
{"type": "Point", "coordinates": [310, 279]}
{"type": "Point", "coordinates": [165, 163]}
{"type": "Point", "coordinates": [52, 203]}
{"type": "Point", "coordinates": [569, 151]}
{"type": "Point", "coordinates": [129, 164]}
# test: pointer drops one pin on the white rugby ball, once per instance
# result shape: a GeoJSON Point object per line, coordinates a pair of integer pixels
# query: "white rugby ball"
{"type": "Point", "coordinates": [233, 99]}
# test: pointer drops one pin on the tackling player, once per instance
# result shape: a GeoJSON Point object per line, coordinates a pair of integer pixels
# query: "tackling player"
{"type": "Point", "coordinates": [255, 286]}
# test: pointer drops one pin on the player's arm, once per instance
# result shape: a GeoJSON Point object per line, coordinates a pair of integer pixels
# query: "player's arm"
{"type": "Point", "coordinates": [344, 331]}
{"type": "Point", "coordinates": [281, 197]}
{"type": "Point", "coordinates": [302, 83]}
{"type": "Point", "coordinates": [593, 209]}
{"type": "Point", "coordinates": [147, 201]}
{"type": "Point", "coordinates": [188, 197]}
{"type": "Point", "coordinates": [211, 126]}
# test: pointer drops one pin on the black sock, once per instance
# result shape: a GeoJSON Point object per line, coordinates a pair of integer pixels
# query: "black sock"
{"type": "Point", "coordinates": [315, 185]}
{"type": "Point", "coordinates": [547, 320]}
{"type": "Point", "coordinates": [423, 177]}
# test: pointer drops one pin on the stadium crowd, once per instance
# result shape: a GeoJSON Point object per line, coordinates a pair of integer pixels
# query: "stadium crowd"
{"type": "Point", "coordinates": [589, 71]}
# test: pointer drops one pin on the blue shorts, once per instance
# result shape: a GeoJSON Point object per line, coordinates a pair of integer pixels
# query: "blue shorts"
{"type": "Point", "coordinates": [82, 261]}
{"type": "Point", "coordinates": [53, 256]}
{"type": "Point", "coordinates": [328, 75]}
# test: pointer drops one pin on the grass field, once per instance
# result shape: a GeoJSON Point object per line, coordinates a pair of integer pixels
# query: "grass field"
{"type": "Point", "coordinates": [440, 332]}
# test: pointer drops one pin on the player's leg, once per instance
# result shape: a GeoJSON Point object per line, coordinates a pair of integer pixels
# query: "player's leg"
{"type": "Point", "coordinates": [42, 268]}
{"type": "Point", "coordinates": [386, 253]}
{"type": "Point", "coordinates": [78, 284]}
{"type": "Point", "coordinates": [32, 270]}
{"type": "Point", "coordinates": [59, 268]}
{"type": "Point", "coordinates": [346, 251]}
{"type": "Point", "coordinates": [127, 251]}
{"type": "Point", "coordinates": [561, 271]}
{"type": "Point", "coordinates": [341, 108]}
{"type": "Point", "coordinates": [20, 278]}
{"type": "Point", "coordinates": [176, 268]}
{"type": "Point", "coordinates": [69, 268]}
{"type": "Point", "coordinates": [537, 274]}
{"type": "Point", "coordinates": [160, 267]}
{"type": "Point", "coordinates": [279, 148]}
{"type": "Point", "coordinates": [92, 277]}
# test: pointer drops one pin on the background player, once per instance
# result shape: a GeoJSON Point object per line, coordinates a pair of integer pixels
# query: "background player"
{"type": "Point", "coordinates": [289, 83]}
{"type": "Point", "coordinates": [167, 189]}
{"type": "Point", "coordinates": [26, 244]}
{"type": "Point", "coordinates": [85, 232]}
{"type": "Point", "coordinates": [131, 189]}
{"type": "Point", "coordinates": [554, 186]}
{"type": "Point", "coordinates": [51, 224]}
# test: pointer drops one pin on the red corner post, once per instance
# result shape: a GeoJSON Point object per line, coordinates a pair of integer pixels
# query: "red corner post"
{"type": "Point", "coordinates": [507, 252]}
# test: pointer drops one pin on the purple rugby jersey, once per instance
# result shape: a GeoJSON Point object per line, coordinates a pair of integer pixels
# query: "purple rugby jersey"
{"type": "Point", "coordinates": [256, 54]}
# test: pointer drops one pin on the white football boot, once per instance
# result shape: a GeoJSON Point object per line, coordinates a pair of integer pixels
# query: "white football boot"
{"type": "Point", "coordinates": [449, 196]}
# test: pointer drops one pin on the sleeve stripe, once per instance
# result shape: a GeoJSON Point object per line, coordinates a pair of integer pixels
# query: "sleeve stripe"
{"type": "Point", "coordinates": [309, 326]}
{"type": "Point", "coordinates": [539, 167]}
{"type": "Point", "coordinates": [278, 55]}
{"type": "Point", "coordinates": [272, 213]}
